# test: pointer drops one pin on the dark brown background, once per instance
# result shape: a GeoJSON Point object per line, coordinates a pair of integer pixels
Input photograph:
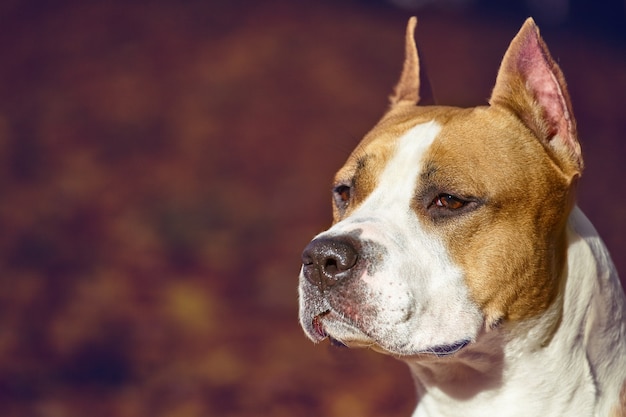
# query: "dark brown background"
{"type": "Point", "coordinates": [162, 164]}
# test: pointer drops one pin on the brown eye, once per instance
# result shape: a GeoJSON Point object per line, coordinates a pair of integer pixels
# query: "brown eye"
{"type": "Point", "coordinates": [449, 202]}
{"type": "Point", "coordinates": [341, 194]}
{"type": "Point", "coordinates": [447, 206]}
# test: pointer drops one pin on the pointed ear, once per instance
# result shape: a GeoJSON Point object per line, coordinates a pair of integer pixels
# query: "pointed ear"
{"type": "Point", "coordinates": [413, 86]}
{"type": "Point", "coordinates": [531, 84]}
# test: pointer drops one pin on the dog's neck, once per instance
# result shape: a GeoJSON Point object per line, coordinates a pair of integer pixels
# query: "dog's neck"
{"type": "Point", "coordinates": [545, 365]}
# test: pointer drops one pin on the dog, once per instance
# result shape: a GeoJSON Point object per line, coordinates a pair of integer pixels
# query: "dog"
{"type": "Point", "coordinates": [457, 246]}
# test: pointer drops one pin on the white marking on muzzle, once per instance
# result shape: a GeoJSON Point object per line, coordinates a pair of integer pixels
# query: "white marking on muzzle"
{"type": "Point", "coordinates": [418, 293]}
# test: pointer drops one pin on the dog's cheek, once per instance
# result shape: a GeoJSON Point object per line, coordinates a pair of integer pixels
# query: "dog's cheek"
{"type": "Point", "coordinates": [510, 276]}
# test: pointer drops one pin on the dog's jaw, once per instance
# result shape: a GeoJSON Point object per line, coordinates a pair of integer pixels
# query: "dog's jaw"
{"type": "Point", "coordinates": [568, 361]}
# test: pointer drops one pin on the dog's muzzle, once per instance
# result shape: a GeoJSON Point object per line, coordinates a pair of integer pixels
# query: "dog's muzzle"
{"type": "Point", "coordinates": [328, 261]}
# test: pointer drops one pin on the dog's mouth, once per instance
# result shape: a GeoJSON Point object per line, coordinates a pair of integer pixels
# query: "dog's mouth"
{"type": "Point", "coordinates": [439, 351]}
{"type": "Point", "coordinates": [356, 339]}
{"type": "Point", "coordinates": [447, 350]}
{"type": "Point", "coordinates": [318, 327]}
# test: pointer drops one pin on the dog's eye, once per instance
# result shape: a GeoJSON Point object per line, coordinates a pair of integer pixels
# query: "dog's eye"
{"type": "Point", "coordinates": [448, 201]}
{"type": "Point", "coordinates": [341, 193]}
{"type": "Point", "coordinates": [446, 205]}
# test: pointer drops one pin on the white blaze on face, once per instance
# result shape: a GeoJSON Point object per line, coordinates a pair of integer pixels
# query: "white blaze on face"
{"type": "Point", "coordinates": [419, 296]}
{"type": "Point", "coordinates": [399, 178]}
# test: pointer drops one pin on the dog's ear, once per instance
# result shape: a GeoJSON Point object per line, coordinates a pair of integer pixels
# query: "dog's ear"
{"type": "Point", "coordinates": [531, 84]}
{"type": "Point", "coordinates": [413, 85]}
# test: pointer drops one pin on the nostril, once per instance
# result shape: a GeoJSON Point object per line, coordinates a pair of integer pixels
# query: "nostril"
{"type": "Point", "coordinates": [331, 267]}
{"type": "Point", "coordinates": [327, 260]}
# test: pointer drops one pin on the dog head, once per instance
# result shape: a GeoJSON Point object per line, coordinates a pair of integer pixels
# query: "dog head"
{"type": "Point", "coordinates": [448, 221]}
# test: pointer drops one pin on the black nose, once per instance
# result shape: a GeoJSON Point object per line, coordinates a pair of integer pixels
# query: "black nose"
{"type": "Point", "coordinates": [326, 261]}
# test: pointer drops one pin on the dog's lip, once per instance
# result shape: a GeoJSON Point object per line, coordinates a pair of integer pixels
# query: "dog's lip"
{"type": "Point", "coordinates": [440, 351]}
{"type": "Point", "coordinates": [318, 327]}
{"type": "Point", "coordinates": [319, 332]}
{"type": "Point", "coordinates": [446, 350]}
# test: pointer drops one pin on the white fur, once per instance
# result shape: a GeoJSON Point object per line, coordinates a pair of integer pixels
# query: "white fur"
{"type": "Point", "coordinates": [569, 361]}
{"type": "Point", "coordinates": [420, 296]}
{"type": "Point", "coordinates": [578, 372]}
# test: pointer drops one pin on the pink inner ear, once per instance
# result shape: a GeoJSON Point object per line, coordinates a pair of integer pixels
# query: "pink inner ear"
{"type": "Point", "coordinates": [535, 67]}
{"type": "Point", "coordinates": [532, 85]}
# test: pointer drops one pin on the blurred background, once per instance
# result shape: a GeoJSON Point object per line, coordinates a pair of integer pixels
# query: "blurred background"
{"type": "Point", "coordinates": [163, 163]}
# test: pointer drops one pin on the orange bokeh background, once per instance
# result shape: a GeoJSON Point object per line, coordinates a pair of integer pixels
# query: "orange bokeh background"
{"type": "Point", "coordinates": [162, 164]}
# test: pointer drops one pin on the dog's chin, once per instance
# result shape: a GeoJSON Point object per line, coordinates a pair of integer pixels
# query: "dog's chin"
{"type": "Point", "coordinates": [341, 333]}
{"type": "Point", "coordinates": [434, 352]}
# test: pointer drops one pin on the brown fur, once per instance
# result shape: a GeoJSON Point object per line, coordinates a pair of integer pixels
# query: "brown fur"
{"type": "Point", "coordinates": [512, 277]}
{"type": "Point", "coordinates": [508, 273]}
{"type": "Point", "coordinates": [367, 161]}
{"type": "Point", "coordinates": [412, 74]}
{"type": "Point", "coordinates": [518, 278]}
{"type": "Point", "coordinates": [531, 84]}
{"type": "Point", "coordinates": [620, 409]}
{"type": "Point", "coordinates": [512, 167]}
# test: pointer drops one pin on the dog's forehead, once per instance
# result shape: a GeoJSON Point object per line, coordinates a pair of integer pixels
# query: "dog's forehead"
{"type": "Point", "coordinates": [385, 159]}
{"type": "Point", "coordinates": [378, 147]}
{"type": "Point", "coordinates": [468, 142]}
{"type": "Point", "coordinates": [395, 145]}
